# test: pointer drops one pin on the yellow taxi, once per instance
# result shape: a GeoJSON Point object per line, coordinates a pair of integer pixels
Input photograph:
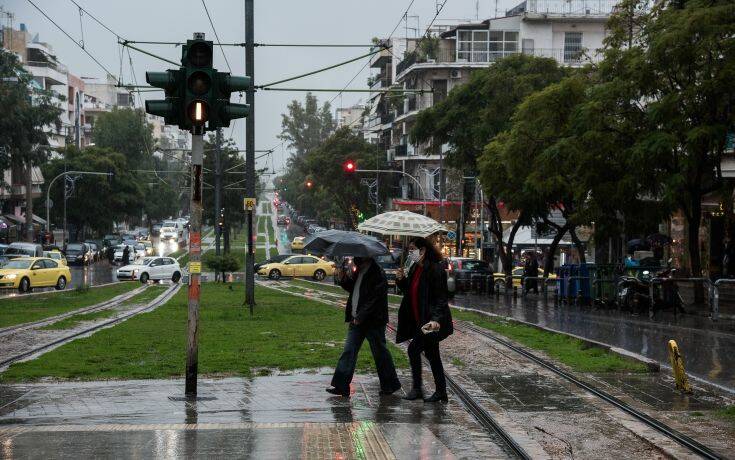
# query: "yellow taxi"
{"type": "Point", "coordinates": [298, 265]}
{"type": "Point", "coordinates": [56, 255]}
{"type": "Point", "coordinates": [27, 273]}
{"type": "Point", "coordinates": [517, 278]}
{"type": "Point", "coordinates": [298, 243]}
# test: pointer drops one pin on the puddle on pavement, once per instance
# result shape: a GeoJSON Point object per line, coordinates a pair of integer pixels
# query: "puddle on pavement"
{"type": "Point", "coordinates": [529, 393]}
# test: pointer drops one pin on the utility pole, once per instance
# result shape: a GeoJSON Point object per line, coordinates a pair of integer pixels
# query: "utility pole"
{"type": "Point", "coordinates": [217, 189]}
{"type": "Point", "coordinates": [250, 150]}
{"type": "Point", "coordinates": [195, 257]}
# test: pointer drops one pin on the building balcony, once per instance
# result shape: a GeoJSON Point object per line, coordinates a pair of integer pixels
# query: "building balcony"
{"type": "Point", "coordinates": [565, 8]}
{"type": "Point", "coordinates": [380, 59]}
{"type": "Point", "coordinates": [573, 58]}
{"type": "Point", "coordinates": [53, 73]}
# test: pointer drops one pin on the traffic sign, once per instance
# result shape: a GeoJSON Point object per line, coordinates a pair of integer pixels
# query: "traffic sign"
{"type": "Point", "coordinates": [451, 235]}
{"type": "Point", "coordinates": [249, 204]}
{"type": "Point", "coordinates": [195, 267]}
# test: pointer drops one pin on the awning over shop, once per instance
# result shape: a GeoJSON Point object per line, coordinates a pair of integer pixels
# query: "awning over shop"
{"type": "Point", "coordinates": [437, 203]}
{"type": "Point", "coordinates": [524, 237]}
{"type": "Point", "coordinates": [15, 219]}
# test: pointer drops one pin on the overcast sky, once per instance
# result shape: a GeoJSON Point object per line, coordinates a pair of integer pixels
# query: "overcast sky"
{"type": "Point", "coordinates": [276, 21]}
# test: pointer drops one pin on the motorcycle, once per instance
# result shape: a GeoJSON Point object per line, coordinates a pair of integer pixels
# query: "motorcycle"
{"type": "Point", "coordinates": [640, 293]}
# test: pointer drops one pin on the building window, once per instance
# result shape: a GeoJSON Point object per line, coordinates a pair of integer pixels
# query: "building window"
{"type": "Point", "coordinates": [502, 43]}
{"type": "Point", "coordinates": [472, 45]}
{"type": "Point", "coordinates": [572, 46]}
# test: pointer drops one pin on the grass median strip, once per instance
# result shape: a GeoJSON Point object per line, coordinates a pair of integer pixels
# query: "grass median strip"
{"type": "Point", "coordinates": [25, 309]}
{"type": "Point", "coordinates": [146, 296]}
{"type": "Point", "coordinates": [392, 298]}
{"type": "Point", "coordinates": [286, 332]}
{"type": "Point", "coordinates": [570, 351]}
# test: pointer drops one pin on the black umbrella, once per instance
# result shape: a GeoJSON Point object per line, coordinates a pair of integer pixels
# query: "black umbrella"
{"type": "Point", "coordinates": [637, 244]}
{"type": "Point", "coordinates": [339, 243]}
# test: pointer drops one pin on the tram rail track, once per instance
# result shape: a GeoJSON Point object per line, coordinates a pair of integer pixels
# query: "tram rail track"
{"type": "Point", "coordinates": [659, 426]}
{"type": "Point", "coordinates": [107, 304]}
{"type": "Point", "coordinates": [155, 303]}
{"type": "Point", "coordinates": [483, 417]}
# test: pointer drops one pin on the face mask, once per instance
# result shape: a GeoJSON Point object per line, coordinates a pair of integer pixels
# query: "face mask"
{"type": "Point", "coordinates": [414, 255]}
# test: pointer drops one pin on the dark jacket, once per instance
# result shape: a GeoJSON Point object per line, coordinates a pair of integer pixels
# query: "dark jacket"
{"type": "Point", "coordinates": [433, 305]}
{"type": "Point", "coordinates": [372, 305]}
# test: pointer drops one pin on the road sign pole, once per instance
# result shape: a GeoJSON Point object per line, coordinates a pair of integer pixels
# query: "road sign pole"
{"type": "Point", "coordinates": [250, 150]}
{"type": "Point", "coordinates": [195, 257]}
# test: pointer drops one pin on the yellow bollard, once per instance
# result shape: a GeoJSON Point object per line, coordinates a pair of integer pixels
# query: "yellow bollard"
{"type": "Point", "coordinates": [677, 365]}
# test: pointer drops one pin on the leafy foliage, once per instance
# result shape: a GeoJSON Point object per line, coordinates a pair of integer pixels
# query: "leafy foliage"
{"type": "Point", "coordinates": [125, 131]}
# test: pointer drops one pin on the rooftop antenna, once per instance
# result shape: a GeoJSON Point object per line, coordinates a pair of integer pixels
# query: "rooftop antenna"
{"type": "Point", "coordinates": [496, 8]}
{"type": "Point", "coordinates": [477, 10]}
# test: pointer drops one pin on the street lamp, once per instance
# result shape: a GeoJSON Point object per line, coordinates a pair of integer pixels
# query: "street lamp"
{"type": "Point", "coordinates": [398, 172]}
{"type": "Point", "coordinates": [48, 191]}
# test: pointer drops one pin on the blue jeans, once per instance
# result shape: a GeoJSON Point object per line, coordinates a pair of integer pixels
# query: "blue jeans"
{"type": "Point", "coordinates": [383, 361]}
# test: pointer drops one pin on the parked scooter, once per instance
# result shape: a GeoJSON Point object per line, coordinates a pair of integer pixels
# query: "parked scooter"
{"type": "Point", "coordinates": [636, 294]}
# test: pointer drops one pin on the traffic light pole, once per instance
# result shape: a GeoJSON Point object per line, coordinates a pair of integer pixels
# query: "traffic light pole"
{"type": "Point", "coordinates": [217, 190]}
{"type": "Point", "coordinates": [250, 151]}
{"type": "Point", "coordinates": [195, 257]}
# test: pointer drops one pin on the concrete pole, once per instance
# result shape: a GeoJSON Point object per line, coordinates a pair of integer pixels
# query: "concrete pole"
{"type": "Point", "coordinates": [250, 150]}
{"type": "Point", "coordinates": [29, 201]}
{"type": "Point", "coordinates": [195, 257]}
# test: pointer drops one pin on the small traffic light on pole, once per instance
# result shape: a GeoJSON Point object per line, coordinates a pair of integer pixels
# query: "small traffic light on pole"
{"type": "Point", "coordinates": [349, 166]}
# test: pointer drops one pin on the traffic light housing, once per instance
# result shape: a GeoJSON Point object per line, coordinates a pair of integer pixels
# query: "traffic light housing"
{"type": "Point", "coordinates": [197, 96]}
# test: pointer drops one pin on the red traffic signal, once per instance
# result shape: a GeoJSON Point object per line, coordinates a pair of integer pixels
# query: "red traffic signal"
{"type": "Point", "coordinates": [349, 166]}
{"type": "Point", "coordinates": [309, 184]}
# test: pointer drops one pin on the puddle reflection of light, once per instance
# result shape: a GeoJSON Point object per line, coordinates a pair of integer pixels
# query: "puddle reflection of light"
{"type": "Point", "coordinates": [166, 442]}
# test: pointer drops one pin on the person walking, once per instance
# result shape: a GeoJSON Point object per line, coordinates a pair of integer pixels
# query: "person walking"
{"type": "Point", "coordinates": [530, 270]}
{"type": "Point", "coordinates": [424, 316]}
{"type": "Point", "coordinates": [367, 314]}
{"type": "Point", "coordinates": [126, 255]}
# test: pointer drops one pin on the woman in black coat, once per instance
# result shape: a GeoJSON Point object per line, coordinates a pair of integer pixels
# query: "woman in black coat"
{"type": "Point", "coordinates": [424, 316]}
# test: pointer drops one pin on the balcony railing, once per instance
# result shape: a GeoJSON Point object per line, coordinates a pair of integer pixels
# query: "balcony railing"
{"type": "Point", "coordinates": [566, 56]}
{"type": "Point", "coordinates": [567, 7]}
{"type": "Point", "coordinates": [52, 65]}
{"type": "Point", "coordinates": [419, 58]}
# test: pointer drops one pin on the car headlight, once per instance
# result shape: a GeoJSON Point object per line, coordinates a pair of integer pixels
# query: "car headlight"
{"type": "Point", "coordinates": [12, 276]}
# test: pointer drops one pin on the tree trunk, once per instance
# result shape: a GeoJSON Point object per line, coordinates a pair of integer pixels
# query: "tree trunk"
{"type": "Point", "coordinates": [496, 226]}
{"type": "Point", "coordinates": [578, 244]}
{"type": "Point", "coordinates": [549, 262]}
{"type": "Point", "coordinates": [693, 223]}
{"type": "Point", "coordinates": [508, 256]}
{"type": "Point", "coordinates": [29, 202]}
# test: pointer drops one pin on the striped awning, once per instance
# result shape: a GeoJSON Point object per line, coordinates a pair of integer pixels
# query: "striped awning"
{"type": "Point", "coordinates": [401, 223]}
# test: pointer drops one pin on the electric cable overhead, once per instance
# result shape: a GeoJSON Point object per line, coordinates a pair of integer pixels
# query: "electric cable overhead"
{"type": "Point", "coordinates": [95, 19]}
{"type": "Point", "coordinates": [72, 39]}
{"type": "Point", "coordinates": [206, 10]}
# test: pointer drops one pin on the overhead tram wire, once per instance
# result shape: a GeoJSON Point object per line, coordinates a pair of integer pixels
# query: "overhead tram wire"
{"type": "Point", "coordinates": [216, 35]}
{"type": "Point", "coordinates": [71, 38]}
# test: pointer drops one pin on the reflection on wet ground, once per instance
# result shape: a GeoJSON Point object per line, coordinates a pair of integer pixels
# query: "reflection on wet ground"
{"type": "Point", "coordinates": [265, 417]}
{"type": "Point", "coordinates": [707, 346]}
{"type": "Point", "coordinates": [528, 392]}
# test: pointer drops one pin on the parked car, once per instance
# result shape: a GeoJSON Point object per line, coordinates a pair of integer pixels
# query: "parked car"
{"type": "Point", "coordinates": [299, 265]}
{"type": "Point", "coordinates": [26, 273]}
{"type": "Point", "coordinates": [517, 274]}
{"type": "Point", "coordinates": [298, 243]}
{"type": "Point", "coordinates": [461, 269]}
{"type": "Point", "coordinates": [56, 255]}
{"type": "Point", "coordinates": [79, 254]}
{"type": "Point", "coordinates": [151, 268]}
{"type": "Point", "coordinates": [390, 264]}
{"type": "Point", "coordinates": [16, 250]}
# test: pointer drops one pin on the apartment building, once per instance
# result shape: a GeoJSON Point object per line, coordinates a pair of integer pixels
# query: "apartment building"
{"type": "Point", "coordinates": [571, 32]}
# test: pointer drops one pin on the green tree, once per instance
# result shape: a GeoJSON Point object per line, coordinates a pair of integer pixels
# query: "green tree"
{"type": "Point", "coordinates": [306, 125]}
{"type": "Point", "coordinates": [96, 201]}
{"type": "Point", "coordinates": [333, 192]}
{"type": "Point", "coordinates": [231, 163]}
{"type": "Point", "coordinates": [669, 70]}
{"type": "Point", "coordinates": [28, 111]}
{"type": "Point", "coordinates": [125, 131]}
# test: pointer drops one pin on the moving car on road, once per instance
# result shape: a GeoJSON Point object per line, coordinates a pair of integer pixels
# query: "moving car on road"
{"type": "Point", "coordinates": [298, 243]}
{"type": "Point", "coordinates": [151, 268]}
{"type": "Point", "coordinates": [56, 255]}
{"type": "Point", "coordinates": [16, 250]}
{"type": "Point", "coordinates": [79, 253]}
{"type": "Point", "coordinates": [118, 254]}
{"type": "Point", "coordinates": [26, 273]}
{"type": "Point", "coordinates": [274, 259]}
{"type": "Point", "coordinates": [298, 265]}
{"type": "Point", "coordinates": [461, 269]}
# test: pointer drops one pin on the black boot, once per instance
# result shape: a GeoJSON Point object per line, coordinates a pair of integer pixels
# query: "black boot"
{"type": "Point", "coordinates": [338, 392]}
{"type": "Point", "coordinates": [437, 396]}
{"type": "Point", "coordinates": [414, 394]}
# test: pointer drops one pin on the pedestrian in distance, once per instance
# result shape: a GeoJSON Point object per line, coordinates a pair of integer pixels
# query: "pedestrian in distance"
{"type": "Point", "coordinates": [424, 316]}
{"type": "Point", "coordinates": [126, 255]}
{"type": "Point", "coordinates": [530, 270]}
{"type": "Point", "coordinates": [367, 315]}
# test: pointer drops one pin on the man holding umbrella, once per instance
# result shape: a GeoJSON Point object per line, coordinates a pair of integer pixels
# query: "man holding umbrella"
{"type": "Point", "coordinates": [366, 311]}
